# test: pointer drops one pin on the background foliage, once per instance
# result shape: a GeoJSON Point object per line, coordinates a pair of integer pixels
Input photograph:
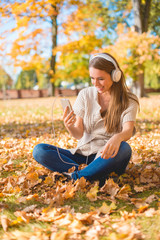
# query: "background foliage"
{"type": "Point", "coordinates": [56, 38]}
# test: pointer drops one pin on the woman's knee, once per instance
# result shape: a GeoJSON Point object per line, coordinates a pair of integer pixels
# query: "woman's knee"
{"type": "Point", "coordinates": [123, 157]}
{"type": "Point", "coordinates": [125, 150]}
{"type": "Point", "coordinates": [39, 152]}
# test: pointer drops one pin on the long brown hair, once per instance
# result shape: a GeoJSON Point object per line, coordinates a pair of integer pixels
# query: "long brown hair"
{"type": "Point", "coordinates": [119, 91]}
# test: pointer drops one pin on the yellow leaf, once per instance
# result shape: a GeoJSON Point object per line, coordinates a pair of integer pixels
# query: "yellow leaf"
{"type": "Point", "coordinates": [29, 197]}
{"type": "Point", "coordinates": [69, 192]}
{"type": "Point", "coordinates": [32, 176]}
{"type": "Point", "coordinates": [92, 194]}
{"type": "Point", "coordinates": [22, 215]}
{"type": "Point", "coordinates": [106, 209]}
{"type": "Point", "coordinates": [142, 209]}
{"type": "Point", "coordinates": [48, 180]}
{"type": "Point", "coordinates": [17, 221]}
{"type": "Point", "coordinates": [1, 195]}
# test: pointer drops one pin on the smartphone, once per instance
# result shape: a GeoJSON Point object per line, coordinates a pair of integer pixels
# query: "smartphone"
{"type": "Point", "coordinates": [65, 102]}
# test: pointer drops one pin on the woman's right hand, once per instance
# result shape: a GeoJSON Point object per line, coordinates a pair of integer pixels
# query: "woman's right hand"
{"type": "Point", "coordinates": [69, 119]}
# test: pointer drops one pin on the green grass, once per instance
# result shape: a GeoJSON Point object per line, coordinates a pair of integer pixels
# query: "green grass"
{"type": "Point", "coordinates": [31, 123]}
{"type": "Point", "coordinates": [150, 226]}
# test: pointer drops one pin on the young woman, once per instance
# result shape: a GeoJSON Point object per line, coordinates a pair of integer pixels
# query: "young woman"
{"type": "Point", "coordinates": [102, 120]}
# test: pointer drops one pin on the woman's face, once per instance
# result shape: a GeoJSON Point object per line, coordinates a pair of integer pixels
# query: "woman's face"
{"type": "Point", "coordinates": [100, 79]}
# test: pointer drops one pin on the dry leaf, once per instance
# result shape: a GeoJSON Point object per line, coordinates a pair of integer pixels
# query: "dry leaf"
{"type": "Point", "coordinates": [85, 218]}
{"type": "Point", "coordinates": [62, 235]}
{"type": "Point", "coordinates": [107, 209]}
{"type": "Point", "coordinates": [124, 192]}
{"type": "Point", "coordinates": [22, 215]}
{"type": "Point", "coordinates": [5, 222]}
{"type": "Point", "coordinates": [92, 194]}
{"type": "Point", "coordinates": [110, 187]}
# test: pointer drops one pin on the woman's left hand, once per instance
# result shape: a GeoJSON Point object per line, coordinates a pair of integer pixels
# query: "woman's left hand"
{"type": "Point", "coordinates": [112, 147]}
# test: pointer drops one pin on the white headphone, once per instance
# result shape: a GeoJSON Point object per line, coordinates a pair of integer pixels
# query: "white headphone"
{"type": "Point", "coordinates": [116, 73]}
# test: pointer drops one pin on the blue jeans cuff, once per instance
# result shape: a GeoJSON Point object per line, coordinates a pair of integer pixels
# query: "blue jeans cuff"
{"type": "Point", "coordinates": [74, 175]}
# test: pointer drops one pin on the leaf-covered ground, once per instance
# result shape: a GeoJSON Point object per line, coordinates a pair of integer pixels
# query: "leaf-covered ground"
{"type": "Point", "coordinates": [127, 207]}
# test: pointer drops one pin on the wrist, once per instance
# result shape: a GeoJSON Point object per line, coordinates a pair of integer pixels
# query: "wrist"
{"type": "Point", "coordinates": [119, 136]}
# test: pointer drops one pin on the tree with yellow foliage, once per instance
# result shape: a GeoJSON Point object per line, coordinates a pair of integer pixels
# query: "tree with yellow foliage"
{"type": "Point", "coordinates": [143, 17]}
{"type": "Point", "coordinates": [5, 80]}
{"type": "Point", "coordinates": [36, 29]}
{"type": "Point", "coordinates": [134, 52]}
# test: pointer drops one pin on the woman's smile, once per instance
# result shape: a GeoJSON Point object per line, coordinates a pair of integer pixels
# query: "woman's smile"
{"type": "Point", "coordinates": [100, 79]}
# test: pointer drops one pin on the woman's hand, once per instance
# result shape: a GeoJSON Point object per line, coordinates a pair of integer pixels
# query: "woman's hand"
{"type": "Point", "coordinates": [69, 119]}
{"type": "Point", "coordinates": [112, 147]}
{"type": "Point", "coordinates": [73, 123]}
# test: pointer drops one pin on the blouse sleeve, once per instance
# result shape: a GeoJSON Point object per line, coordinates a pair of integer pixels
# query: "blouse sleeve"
{"type": "Point", "coordinates": [130, 113]}
{"type": "Point", "coordinates": [79, 105]}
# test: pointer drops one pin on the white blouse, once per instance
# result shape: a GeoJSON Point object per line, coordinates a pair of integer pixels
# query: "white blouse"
{"type": "Point", "coordinates": [95, 136]}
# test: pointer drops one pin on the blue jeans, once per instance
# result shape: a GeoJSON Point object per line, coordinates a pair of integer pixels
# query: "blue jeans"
{"type": "Point", "coordinates": [97, 169]}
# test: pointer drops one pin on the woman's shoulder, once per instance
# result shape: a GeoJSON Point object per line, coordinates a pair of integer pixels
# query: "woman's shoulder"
{"type": "Point", "coordinates": [133, 99]}
{"type": "Point", "coordinates": [88, 91]}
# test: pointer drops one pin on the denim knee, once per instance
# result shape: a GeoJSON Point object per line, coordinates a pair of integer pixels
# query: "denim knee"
{"type": "Point", "coordinates": [123, 158]}
{"type": "Point", "coordinates": [126, 150]}
{"type": "Point", "coordinates": [39, 152]}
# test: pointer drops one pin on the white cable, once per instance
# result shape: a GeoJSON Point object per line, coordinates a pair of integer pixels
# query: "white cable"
{"type": "Point", "coordinates": [87, 160]}
{"type": "Point", "coordinates": [53, 134]}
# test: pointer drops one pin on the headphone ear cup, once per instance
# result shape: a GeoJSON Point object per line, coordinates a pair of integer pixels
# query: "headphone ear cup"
{"type": "Point", "coordinates": [116, 75]}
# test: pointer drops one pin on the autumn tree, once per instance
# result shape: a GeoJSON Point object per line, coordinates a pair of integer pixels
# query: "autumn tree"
{"type": "Point", "coordinates": [103, 19]}
{"type": "Point", "coordinates": [36, 28]}
{"type": "Point", "coordinates": [5, 80]}
{"type": "Point", "coordinates": [135, 53]}
{"type": "Point", "coordinates": [152, 75]}
{"type": "Point", "coordinates": [146, 18]}
{"type": "Point", "coordinates": [26, 79]}
{"type": "Point", "coordinates": [143, 14]}
{"type": "Point", "coordinates": [84, 33]}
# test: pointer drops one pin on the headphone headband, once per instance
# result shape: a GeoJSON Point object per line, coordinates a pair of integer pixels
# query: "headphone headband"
{"type": "Point", "coordinates": [105, 56]}
{"type": "Point", "coordinates": [116, 73]}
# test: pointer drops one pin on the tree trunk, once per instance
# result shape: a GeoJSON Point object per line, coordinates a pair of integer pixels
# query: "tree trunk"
{"type": "Point", "coordinates": [145, 13]}
{"type": "Point", "coordinates": [137, 16]}
{"type": "Point", "coordinates": [53, 57]}
{"type": "Point", "coordinates": [4, 91]}
{"type": "Point", "coordinates": [141, 16]}
{"type": "Point", "coordinates": [138, 86]}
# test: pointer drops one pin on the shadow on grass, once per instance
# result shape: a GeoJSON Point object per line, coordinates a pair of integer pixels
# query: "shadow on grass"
{"type": "Point", "coordinates": [30, 130]}
{"type": "Point", "coordinates": [38, 129]}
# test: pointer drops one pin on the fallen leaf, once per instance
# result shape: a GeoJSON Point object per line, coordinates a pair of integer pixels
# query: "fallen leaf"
{"type": "Point", "coordinates": [107, 209]}
{"type": "Point", "coordinates": [138, 202]}
{"type": "Point", "coordinates": [138, 189]}
{"type": "Point", "coordinates": [142, 209]}
{"type": "Point", "coordinates": [5, 222]}
{"type": "Point", "coordinates": [30, 208]}
{"type": "Point", "coordinates": [61, 235]}
{"type": "Point", "coordinates": [92, 194]}
{"type": "Point", "coordinates": [150, 212]}
{"type": "Point", "coordinates": [110, 187]}
{"type": "Point", "coordinates": [22, 215]}
{"type": "Point", "coordinates": [77, 227]}
{"type": "Point", "coordinates": [151, 198]}
{"type": "Point", "coordinates": [124, 192]}
{"type": "Point", "coordinates": [85, 218]}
